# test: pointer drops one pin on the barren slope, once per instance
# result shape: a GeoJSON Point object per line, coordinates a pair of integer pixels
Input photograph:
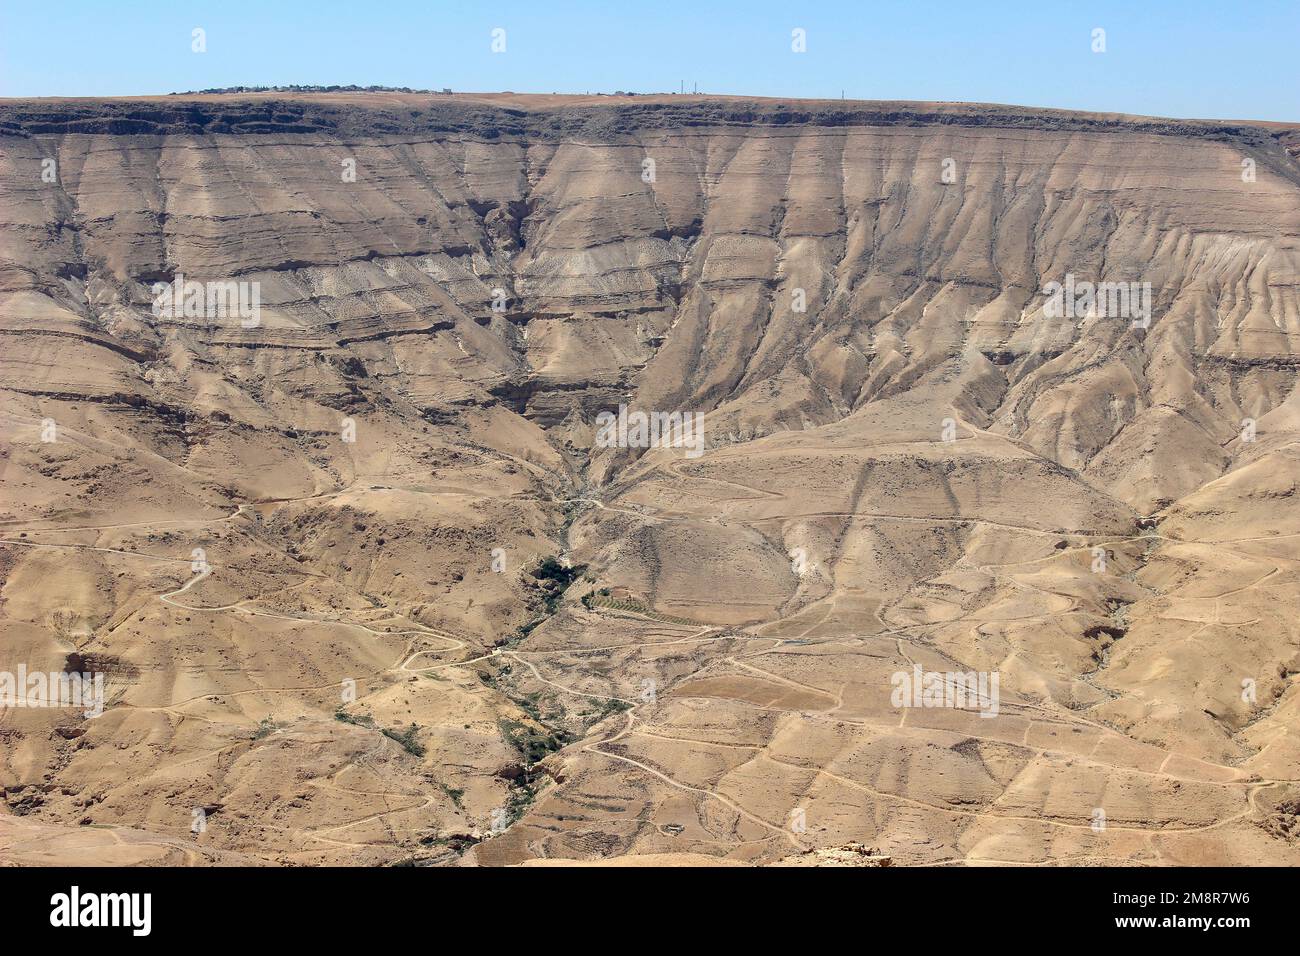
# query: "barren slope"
{"type": "Point", "coordinates": [919, 467]}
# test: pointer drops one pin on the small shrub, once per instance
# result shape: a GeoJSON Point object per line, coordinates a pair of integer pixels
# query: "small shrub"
{"type": "Point", "coordinates": [407, 739]}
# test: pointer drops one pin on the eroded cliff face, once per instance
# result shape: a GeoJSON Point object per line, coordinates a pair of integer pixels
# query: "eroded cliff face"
{"type": "Point", "coordinates": [910, 458]}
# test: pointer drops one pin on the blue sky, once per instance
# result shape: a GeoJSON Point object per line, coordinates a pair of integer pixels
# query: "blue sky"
{"type": "Point", "coordinates": [1192, 58]}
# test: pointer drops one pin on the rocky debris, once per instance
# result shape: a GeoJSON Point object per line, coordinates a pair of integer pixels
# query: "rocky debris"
{"type": "Point", "coordinates": [849, 854]}
{"type": "Point", "coordinates": [1284, 821]}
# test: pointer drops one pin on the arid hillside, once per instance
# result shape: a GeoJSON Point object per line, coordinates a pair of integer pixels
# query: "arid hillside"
{"type": "Point", "coordinates": [301, 458]}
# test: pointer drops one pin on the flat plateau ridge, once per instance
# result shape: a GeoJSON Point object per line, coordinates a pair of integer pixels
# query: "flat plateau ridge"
{"type": "Point", "coordinates": [307, 555]}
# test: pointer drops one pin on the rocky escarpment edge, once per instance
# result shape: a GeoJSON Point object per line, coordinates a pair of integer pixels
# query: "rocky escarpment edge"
{"type": "Point", "coordinates": [241, 114]}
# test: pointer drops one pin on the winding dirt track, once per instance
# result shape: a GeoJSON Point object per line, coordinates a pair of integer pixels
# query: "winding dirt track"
{"type": "Point", "coordinates": [633, 725]}
{"type": "Point", "coordinates": [1058, 716]}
